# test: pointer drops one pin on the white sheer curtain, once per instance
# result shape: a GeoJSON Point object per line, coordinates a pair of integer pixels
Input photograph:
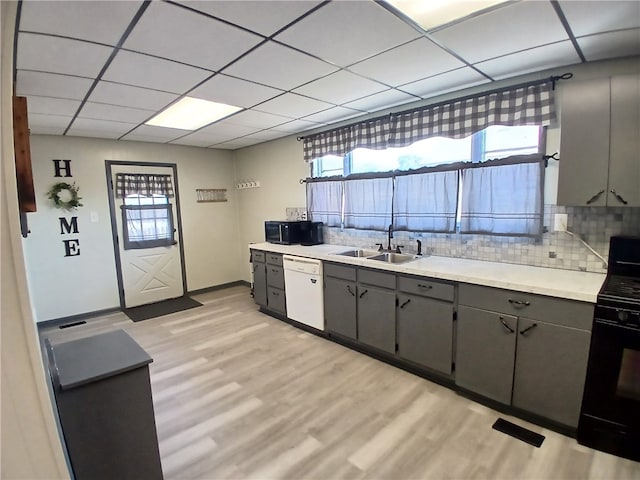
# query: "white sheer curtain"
{"type": "Point", "coordinates": [367, 203]}
{"type": "Point", "coordinates": [426, 202]}
{"type": "Point", "coordinates": [504, 199]}
{"type": "Point", "coordinates": [324, 202]}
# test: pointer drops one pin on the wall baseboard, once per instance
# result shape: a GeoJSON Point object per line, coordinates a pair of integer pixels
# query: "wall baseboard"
{"type": "Point", "coordinates": [219, 287]}
{"type": "Point", "coordinates": [74, 318]}
{"type": "Point", "coordinates": [84, 316]}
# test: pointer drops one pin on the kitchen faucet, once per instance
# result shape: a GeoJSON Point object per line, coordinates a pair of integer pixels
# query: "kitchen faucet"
{"type": "Point", "coordinates": [390, 237]}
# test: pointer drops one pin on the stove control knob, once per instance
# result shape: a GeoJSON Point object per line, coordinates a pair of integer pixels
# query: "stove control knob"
{"type": "Point", "coordinates": [623, 316]}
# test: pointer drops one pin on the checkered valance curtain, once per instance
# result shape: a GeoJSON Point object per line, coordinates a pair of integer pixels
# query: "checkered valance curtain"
{"type": "Point", "coordinates": [143, 184]}
{"type": "Point", "coordinates": [371, 134]}
{"type": "Point", "coordinates": [525, 105]}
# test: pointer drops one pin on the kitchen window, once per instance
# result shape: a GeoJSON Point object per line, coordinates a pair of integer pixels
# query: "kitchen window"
{"type": "Point", "coordinates": [497, 141]}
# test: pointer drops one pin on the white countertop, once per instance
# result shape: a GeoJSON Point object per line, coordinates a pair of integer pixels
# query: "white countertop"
{"type": "Point", "coordinates": [554, 282]}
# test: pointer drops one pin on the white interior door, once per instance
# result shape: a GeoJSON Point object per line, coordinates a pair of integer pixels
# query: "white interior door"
{"type": "Point", "coordinates": [147, 230]}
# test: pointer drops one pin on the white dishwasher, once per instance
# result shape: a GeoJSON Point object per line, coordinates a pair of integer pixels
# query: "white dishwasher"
{"type": "Point", "coordinates": [303, 286]}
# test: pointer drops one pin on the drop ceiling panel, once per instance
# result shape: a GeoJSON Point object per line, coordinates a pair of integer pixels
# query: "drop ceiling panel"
{"type": "Point", "coordinates": [381, 100]}
{"type": "Point", "coordinates": [150, 72]}
{"type": "Point", "coordinates": [297, 126]}
{"type": "Point", "coordinates": [256, 119]}
{"type": "Point", "coordinates": [340, 87]}
{"type": "Point", "coordinates": [293, 106]}
{"type": "Point", "coordinates": [150, 133]}
{"type": "Point", "coordinates": [347, 32]}
{"type": "Point", "coordinates": [88, 127]}
{"type": "Point", "coordinates": [237, 143]}
{"type": "Point", "coordinates": [48, 124]}
{"type": "Point", "coordinates": [623, 43]}
{"type": "Point", "coordinates": [588, 17]}
{"type": "Point", "coordinates": [97, 21]}
{"type": "Point", "coordinates": [533, 60]}
{"type": "Point", "coordinates": [102, 111]}
{"type": "Point", "coordinates": [60, 55]}
{"type": "Point", "coordinates": [179, 34]}
{"type": "Point", "coordinates": [128, 96]}
{"type": "Point", "coordinates": [259, 16]}
{"type": "Point", "coordinates": [502, 31]}
{"type": "Point", "coordinates": [51, 85]}
{"type": "Point", "coordinates": [280, 67]}
{"type": "Point", "coordinates": [234, 91]}
{"type": "Point", "coordinates": [334, 114]}
{"type": "Point", "coordinates": [52, 106]}
{"type": "Point", "coordinates": [446, 82]}
{"type": "Point", "coordinates": [411, 62]}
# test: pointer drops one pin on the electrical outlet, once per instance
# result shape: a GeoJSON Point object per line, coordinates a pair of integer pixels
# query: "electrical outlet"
{"type": "Point", "coordinates": [560, 222]}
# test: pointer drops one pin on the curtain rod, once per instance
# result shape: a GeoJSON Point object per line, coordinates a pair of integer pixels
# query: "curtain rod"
{"type": "Point", "coordinates": [553, 79]}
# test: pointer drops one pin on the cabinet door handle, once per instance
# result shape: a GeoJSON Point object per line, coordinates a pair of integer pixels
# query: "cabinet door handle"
{"type": "Point", "coordinates": [404, 304]}
{"type": "Point", "coordinates": [275, 294]}
{"type": "Point", "coordinates": [363, 293]}
{"type": "Point", "coordinates": [506, 325]}
{"type": "Point", "coordinates": [620, 199]}
{"type": "Point", "coordinates": [350, 291]}
{"type": "Point", "coordinates": [428, 287]}
{"type": "Point", "coordinates": [595, 197]}
{"type": "Point", "coordinates": [519, 303]}
{"type": "Point", "coordinates": [531, 327]}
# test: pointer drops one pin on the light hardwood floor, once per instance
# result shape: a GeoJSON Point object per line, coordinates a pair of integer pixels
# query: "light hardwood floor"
{"type": "Point", "coordinates": [241, 395]}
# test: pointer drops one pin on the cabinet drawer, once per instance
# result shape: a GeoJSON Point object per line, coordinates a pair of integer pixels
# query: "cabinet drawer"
{"type": "Point", "coordinates": [426, 288]}
{"type": "Point", "coordinates": [275, 276]}
{"type": "Point", "coordinates": [380, 279]}
{"type": "Point", "coordinates": [340, 271]}
{"type": "Point", "coordinates": [257, 256]}
{"type": "Point", "coordinates": [274, 259]}
{"type": "Point", "coordinates": [569, 313]}
{"type": "Point", "coordinates": [276, 300]}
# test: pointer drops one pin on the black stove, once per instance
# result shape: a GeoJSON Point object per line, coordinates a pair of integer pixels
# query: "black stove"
{"type": "Point", "coordinates": [610, 415]}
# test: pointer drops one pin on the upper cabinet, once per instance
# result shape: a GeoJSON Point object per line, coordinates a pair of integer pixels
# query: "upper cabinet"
{"type": "Point", "coordinates": [600, 143]}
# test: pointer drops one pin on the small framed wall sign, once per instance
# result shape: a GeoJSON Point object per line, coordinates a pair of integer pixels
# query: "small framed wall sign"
{"type": "Point", "coordinates": [208, 195]}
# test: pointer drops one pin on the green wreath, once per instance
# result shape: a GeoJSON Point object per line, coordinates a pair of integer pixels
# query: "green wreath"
{"type": "Point", "coordinates": [65, 196]}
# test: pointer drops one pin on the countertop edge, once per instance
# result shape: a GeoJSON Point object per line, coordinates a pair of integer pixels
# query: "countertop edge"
{"type": "Point", "coordinates": [551, 282]}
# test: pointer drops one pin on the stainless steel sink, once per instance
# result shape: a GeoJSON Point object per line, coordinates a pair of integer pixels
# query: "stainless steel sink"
{"type": "Point", "coordinates": [358, 253]}
{"type": "Point", "coordinates": [394, 257]}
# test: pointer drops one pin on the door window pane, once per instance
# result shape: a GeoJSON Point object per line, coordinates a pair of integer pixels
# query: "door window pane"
{"type": "Point", "coordinates": [147, 222]}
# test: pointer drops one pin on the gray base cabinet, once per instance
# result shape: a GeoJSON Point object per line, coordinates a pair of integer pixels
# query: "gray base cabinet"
{"type": "Point", "coordinates": [485, 353]}
{"type": "Point", "coordinates": [103, 395]}
{"type": "Point", "coordinates": [268, 281]}
{"type": "Point", "coordinates": [340, 307]}
{"type": "Point", "coordinates": [534, 357]}
{"type": "Point", "coordinates": [425, 332]}
{"type": "Point", "coordinates": [550, 370]}
{"type": "Point", "coordinates": [259, 283]}
{"type": "Point", "coordinates": [377, 317]}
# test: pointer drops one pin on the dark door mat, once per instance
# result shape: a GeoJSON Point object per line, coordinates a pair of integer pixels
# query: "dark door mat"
{"type": "Point", "coordinates": [158, 309]}
{"type": "Point", "coordinates": [521, 433]}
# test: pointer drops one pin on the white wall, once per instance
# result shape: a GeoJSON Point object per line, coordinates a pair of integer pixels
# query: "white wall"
{"type": "Point", "coordinates": [29, 445]}
{"type": "Point", "coordinates": [64, 286]}
{"type": "Point", "coordinates": [278, 165]}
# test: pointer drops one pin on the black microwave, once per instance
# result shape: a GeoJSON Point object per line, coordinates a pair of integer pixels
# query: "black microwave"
{"type": "Point", "coordinates": [293, 232]}
{"type": "Point", "coordinates": [283, 232]}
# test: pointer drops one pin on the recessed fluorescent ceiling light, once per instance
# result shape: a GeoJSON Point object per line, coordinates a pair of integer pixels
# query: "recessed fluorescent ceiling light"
{"type": "Point", "coordinates": [433, 13]}
{"type": "Point", "coordinates": [192, 113]}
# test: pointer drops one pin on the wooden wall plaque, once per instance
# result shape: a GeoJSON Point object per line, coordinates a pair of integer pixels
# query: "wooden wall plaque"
{"type": "Point", "coordinates": [24, 174]}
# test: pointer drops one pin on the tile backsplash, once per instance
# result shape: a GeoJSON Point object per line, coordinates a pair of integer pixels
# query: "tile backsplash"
{"type": "Point", "coordinates": [593, 225]}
